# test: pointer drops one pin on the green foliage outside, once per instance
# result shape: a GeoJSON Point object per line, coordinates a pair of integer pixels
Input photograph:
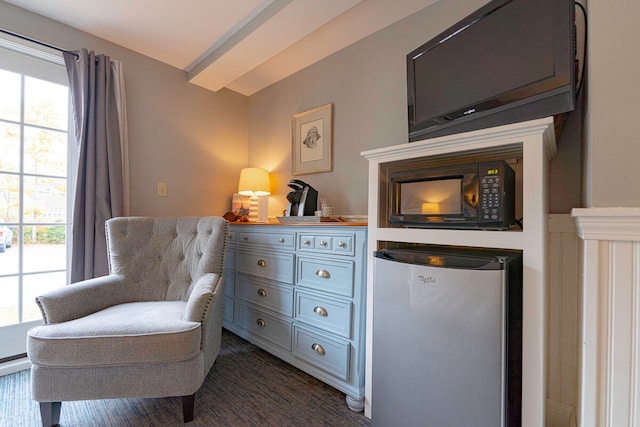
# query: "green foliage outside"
{"type": "Point", "coordinates": [44, 234]}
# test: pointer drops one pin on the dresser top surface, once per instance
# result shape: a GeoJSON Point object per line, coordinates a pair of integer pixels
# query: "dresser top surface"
{"type": "Point", "coordinates": [300, 224]}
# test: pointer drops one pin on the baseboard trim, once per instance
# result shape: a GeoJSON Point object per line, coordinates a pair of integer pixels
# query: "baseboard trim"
{"type": "Point", "coordinates": [8, 368]}
{"type": "Point", "coordinates": [560, 414]}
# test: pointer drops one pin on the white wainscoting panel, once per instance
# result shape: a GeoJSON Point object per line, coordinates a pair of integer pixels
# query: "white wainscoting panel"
{"type": "Point", "coordinates": [610, 395]}
{"type": "Point", "coordinates": [563, 257]}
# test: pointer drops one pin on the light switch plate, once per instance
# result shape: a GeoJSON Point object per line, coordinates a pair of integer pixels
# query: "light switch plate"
{"type": "Point", "coordinates": [162, 189]}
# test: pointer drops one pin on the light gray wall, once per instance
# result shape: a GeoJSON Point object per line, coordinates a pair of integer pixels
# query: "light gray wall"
{"type": "Point", "coordinates": [367, 84]}
{"type": "Point", "coordinates": [613, 129]}
{"type": "Point", "coordinates": [191, 138]}
{"type": "Point", "coordinates": [197, 140]}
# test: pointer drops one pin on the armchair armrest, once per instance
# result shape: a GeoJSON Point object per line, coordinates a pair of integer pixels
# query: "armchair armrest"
{"type": "Point", "coordinates": [205, 305]}
{"type": "Point", "coordinates": [201, 297]}
{"type": "Point", "coordinates": [82, 298]}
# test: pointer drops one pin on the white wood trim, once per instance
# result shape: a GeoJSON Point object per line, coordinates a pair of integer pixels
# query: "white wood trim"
{"type": "Point", "coordinates": [536, 140]}
{"type": "Point", "coordinates": [564, 248]}
{"type": "Point", "coordinates": [13, 338]}
{"type": "Point", "coordinates": [621, 224]}
{"type": "Point", "coordinates": [560, 414]}
{"type": "Point", "coordinates": [479, 139]}
{"type": "Point", "coordinates": [14, 366]}
{"type": "Point", "coordinates": [610, 358]}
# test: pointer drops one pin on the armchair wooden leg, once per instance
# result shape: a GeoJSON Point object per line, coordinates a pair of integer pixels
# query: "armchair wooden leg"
{"type": "Point", "coordinates": [187, 407]}
{"type": "Point", "coordinates": [50, 413]}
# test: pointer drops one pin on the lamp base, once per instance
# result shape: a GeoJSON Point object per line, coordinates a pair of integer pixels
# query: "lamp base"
{"type": "Point", "coordinates": [263, 209]}
{"type": "Point", "coordinates": [253, 209]}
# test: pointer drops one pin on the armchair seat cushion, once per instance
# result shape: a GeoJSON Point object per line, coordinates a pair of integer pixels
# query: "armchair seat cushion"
{"type": "Point", "coordinates": [124, 334]}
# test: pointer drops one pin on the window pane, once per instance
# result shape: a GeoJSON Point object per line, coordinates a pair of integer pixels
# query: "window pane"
{"type": "Point", "coordinates": [34, 177]}
{"type": "Point", "coordinates": [45, 103]}
{"type": "Point", "coordinates": [45, 152]}
{"type": "Point", "coordinates": [10, 99]}
{"type": "Point", "coordinates": [9, 197]}
{"type": "Point", "coordinates": [9, 301]}
{"type": "Point", "coordinates": [35, 285]}
{"type": "Point", "coordinates": [9, 262]}
{"type": "Point", "coordinates": [45, 199]}
{"type": "Point", "coordinates": [9, 147]}
{"type": "Point", "coordinates": [44, 248]}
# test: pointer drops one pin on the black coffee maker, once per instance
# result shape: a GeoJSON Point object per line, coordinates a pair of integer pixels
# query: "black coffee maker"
{"type": "Point", "coordinates": [303, 200]}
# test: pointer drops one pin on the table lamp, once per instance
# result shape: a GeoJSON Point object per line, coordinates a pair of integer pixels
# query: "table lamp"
{"type": "Point", "coordinates": [254, 182]}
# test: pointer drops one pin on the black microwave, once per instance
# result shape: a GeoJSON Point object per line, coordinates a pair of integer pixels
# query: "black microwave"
{"type": "Point", "coordinates": [478, 195]}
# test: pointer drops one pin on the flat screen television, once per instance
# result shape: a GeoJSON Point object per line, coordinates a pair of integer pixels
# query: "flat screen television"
{"type": "Point", "coordinates": [509, 61]}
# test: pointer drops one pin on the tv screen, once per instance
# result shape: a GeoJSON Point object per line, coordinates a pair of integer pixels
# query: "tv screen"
{"type": "Point", "coordinates": [510, 61]}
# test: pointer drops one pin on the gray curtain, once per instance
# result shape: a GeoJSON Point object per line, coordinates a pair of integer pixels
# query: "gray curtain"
{"type": "Point", "coordinates": [99, 192]}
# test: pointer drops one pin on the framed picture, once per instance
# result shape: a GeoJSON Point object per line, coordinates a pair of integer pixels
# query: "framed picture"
{"type": "Point", "coordinates": [312, 134]}
{"type": "Point", "coordinates": [240, 204]}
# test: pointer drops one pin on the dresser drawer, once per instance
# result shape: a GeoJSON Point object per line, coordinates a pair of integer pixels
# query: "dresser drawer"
{"type": "Point", "coordinates": [326, 275]}
{"type": "Point", "coordinates": [273, 296]}
{"type": "Point", "coordinates": [331, 243]}
{"type": "Point", "coordinates": [270, 265]}
{"type": "Point", "coordinates": [330, 355]}
{"type": "Point", "coordinates": [266, 326]}
{"type": "Point", "coordinates": [232, 236]}
{"type": "Point", "coordinates": [227, 311]}
{"type": "Point", "coordinates": [276, 240]}
{"type": "Point", "coordinates": [229, 283]}
{"type": "Point", "coordinates": [230, 258]}
{"type": "Point", "coordinates": [332, 315]}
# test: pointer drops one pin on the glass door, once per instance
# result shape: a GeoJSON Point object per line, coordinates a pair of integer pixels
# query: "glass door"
{"type": "Point", "coordinates": [34, 191]}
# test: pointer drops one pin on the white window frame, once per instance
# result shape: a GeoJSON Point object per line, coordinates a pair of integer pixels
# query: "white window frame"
{"type": "Point", "coordinates": [45, 64]}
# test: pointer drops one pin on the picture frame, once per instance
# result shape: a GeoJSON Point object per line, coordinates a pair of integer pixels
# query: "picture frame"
{"type": "Point", "coordinates": [312, 140]}
{"type": "Point", "coordinates": [240, 204]}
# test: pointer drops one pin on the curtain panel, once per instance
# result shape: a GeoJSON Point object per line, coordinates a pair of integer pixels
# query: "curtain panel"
{"type": "Point", "coordinates": [100, 130]}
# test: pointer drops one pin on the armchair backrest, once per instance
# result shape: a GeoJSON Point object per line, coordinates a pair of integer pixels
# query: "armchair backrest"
{"type": "Point", "coordinates": [165, 257]}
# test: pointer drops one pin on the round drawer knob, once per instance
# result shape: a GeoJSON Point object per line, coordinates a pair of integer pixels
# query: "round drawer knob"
{"type": "Point", "coordinates": [262, 263]}
{"type": "Point", "coordinates": [281, 240]}
{"type": "Point", "coordinates": [262, 292]}
{"type": "Point", "coordinates": [245, 237]}
{"type": "Point", "coordinates": [322, 273]}
{"type": "Point", "coordinates": [318, 349]}
{"type": "Point", "coordinates": [320, 311]}
{"type": "Point", "coordinates": [307, 242]}
{"type": "Point", "coordinates": [342, 245]}
{"type": "Point", "coordinates": [323, 243]}
{"type": "Point", "coordinates": [261, 323]}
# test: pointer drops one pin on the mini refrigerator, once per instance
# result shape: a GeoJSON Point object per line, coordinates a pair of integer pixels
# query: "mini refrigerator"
{"type": "Point", "coordinates": [447, 337]}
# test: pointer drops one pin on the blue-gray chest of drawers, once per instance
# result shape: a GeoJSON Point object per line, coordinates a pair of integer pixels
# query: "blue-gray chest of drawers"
{"type": "Point", "coordinates": [298, 291]}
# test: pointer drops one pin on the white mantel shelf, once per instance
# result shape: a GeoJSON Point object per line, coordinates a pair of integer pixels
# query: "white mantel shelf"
{"type": "Point", "coordinates": [482, 139]}
{"type": "Point", "coordinates": [534, 144]}
{"type": "Point", "coordinates": [621, 224]}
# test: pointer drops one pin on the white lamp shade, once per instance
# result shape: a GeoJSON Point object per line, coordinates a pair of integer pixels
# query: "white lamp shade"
{"type": "Point", "coordinates": [254, 182]}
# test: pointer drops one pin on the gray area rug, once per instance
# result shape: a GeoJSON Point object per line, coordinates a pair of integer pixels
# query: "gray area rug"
{"type": "Point", "coordinates": [246, 387]}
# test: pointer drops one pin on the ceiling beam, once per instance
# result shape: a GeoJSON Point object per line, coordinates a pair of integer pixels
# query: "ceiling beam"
{"type": "Point", "coordinates": [259, 16]}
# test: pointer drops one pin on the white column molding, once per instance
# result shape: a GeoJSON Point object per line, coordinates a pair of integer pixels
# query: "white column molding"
{"type": "Point", "coordinates": [620, 224]}
{"type": "Point", "coordinates": [610, 357]}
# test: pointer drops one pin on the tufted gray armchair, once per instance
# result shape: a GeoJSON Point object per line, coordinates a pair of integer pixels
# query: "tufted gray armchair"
{"type": "Point", "coordinates": [151, 328]}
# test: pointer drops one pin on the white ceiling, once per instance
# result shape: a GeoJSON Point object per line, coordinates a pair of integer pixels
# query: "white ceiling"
{"type": "Point", "coordinates": [243, 45]}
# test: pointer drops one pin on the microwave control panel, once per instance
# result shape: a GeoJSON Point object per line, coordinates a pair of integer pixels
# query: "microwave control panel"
{"type": "Point", "coordinates": [496, 184]}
